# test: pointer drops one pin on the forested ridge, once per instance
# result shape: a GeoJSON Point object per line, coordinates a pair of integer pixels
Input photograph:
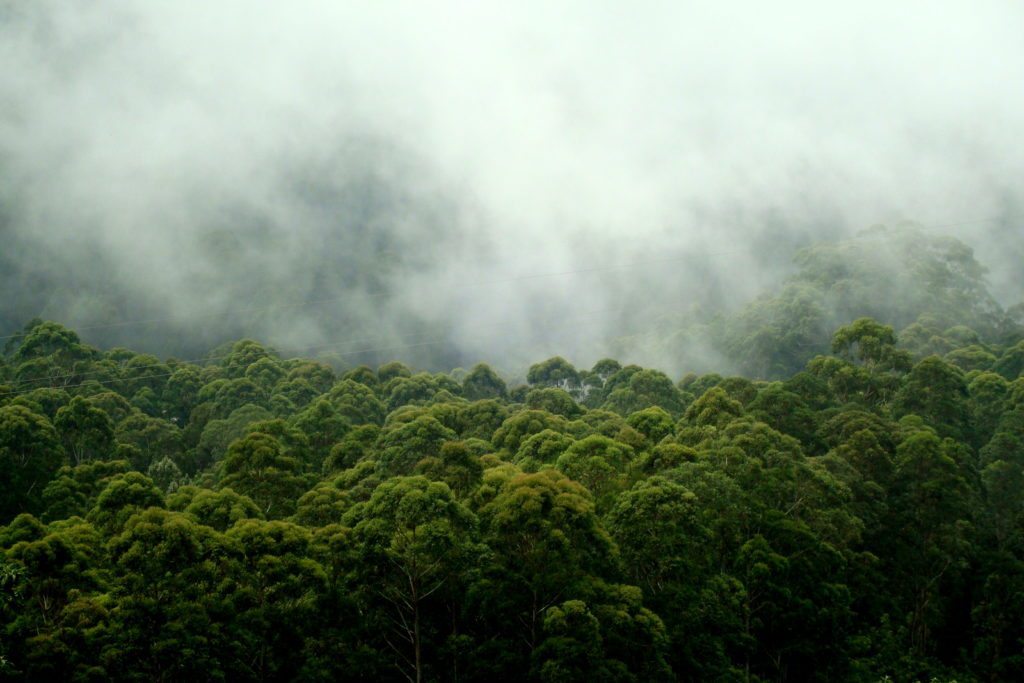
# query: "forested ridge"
{"type": "Point", "coordinates": [852, 512]}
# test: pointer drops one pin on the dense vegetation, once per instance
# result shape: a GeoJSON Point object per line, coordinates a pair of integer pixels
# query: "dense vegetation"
{"type": "Point", "coordinates": [252, 517]}
{"type": "Point", "coordinates": [903, 276]}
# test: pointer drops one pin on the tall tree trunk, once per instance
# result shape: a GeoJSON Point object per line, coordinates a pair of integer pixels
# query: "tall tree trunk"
{"type": "Point", "coordinates": [416, 639]}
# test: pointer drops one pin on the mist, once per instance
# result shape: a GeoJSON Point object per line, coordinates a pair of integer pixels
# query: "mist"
{"type": "Point", "coordinates": [446, 183]}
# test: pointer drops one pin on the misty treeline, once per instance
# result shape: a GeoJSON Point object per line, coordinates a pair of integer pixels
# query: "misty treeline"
{"type": "Point", "coordinates": [255, 517]}
{"type": "Point", "coordinates": [681, 311]}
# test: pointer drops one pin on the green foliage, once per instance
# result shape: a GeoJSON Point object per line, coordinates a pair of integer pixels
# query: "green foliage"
{"type": "Point", "coordinates": [30, 455]}
{"type": "Point", "coordinates": [597, 462]}
{"type": "Point", "coordinates": [258, 519]}
{"type": "Point", "coordinates": [415, 544]}
{"type": "Point", "coordinates": [354, 448]}
{"type": "Point", "coordinates": [645, 389]}
{"type": "Point", "coordinates": [524, 424]}
{"type": "Point", "coordinates": [323, 427]}
{"type": "Point", "coordinates": [217, 509]}
{"type": "Point", "coordinates": [937, 392]}
{"type": "Point", "coordinates": [713, 408]}
{"type": "Point", "coordinates": [871, 344]}
{"type": "Point", "coordinates": [482, 383]}
{"type": "Point", "coordinates": [153, 438]}
{"type": "Point", "coordinates": [217, 435]}
{"type": "Point", "coordinates": [73, 491]}
{"type": "Point", "coordinates": [555, 401]}
{"type": "Point", "coordinates": [554, 372]}
{"type": "Point", "coordinates": [244, 353]}
{"type": "Point", "coordinates": [86, 431]}
{"type": "Point", "coordinates": [542, 448]}
{"type": "Point", "coordinates": [257, 466]}
{"type": "Point", "coordinates": [357, 402]}
{"type": "Point", "coordinates": [122, 496]}
{"type": "Point", "coordinates": [402, 446]}
{"type": "Point", "coordinates": [654, 423]}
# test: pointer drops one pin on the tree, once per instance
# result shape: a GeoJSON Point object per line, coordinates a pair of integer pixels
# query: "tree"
{"type": "Point", "coordinates": [607, 636]}
{"type": "Point", "coordinates": [154, 438]}
{"type": "Point", "coordinates": [181, 392]}
{"type": "Point", "coordinates": [555, 401]}
{"type": "Point", "coordinates": [524, 424]}
{"type": "Point", "coordinates": [219, 510]}
{"type": "Point", "coordinates": [936, 391]}
{"type": "Point", "coordinates": [661, 535]}
{"type": "Point", "coordinates": [45, 401]}
{"type": "Point", "coordinates": [30, 455]}
{"type": "Point", "coordinates": [646, 388]}
{"type": "Point", "coordinates": [1011, 364]}
{"type": "Point", "coordinates": [480, 419]}
{"type": "Point", "coordinates": [281, 587]}
{"type": "Point", "coordinates": [363, 375]}
{"type": "Point", "coordinates": [572, 650]}
{"type": "Point", "coordinates": [414, 542]}
{"type": "Point", "coordinates": [654, 423]}
{"type": "Point", "coordinates": [169, 613]}
{"type": "Point", "coordinates": [323, 427]}
{"type": "Point", "coordinates": [357, 402]}
{"type": "Point", "coordinates": [123, 496]}
{"type": "Point", "coordinates": [86, 431]}
{"type": "Point", "coordinates": [114, 405]}
{"type": "Point", "coordinates": [554, 372]}
{"type": "Point", "coordinates": [73, 491]}
{"type": "Point", "coordinates": [319, 376]}
{"type": "Point", "coordinates": [930, 530]}
{"type": "Point", "coordinates": [795, 605]}
{"type": "Point", "coordinates": [871, 344]}
{"type": "Point", "coordinates": [322, 505]}
{"type": "Point", "coordinates": [597, 462]}
{"type": "Point", "coordinates": [543, 448]}
{"type": "Point", "coordinates": [787, 412]}
{"type": "Point", "coordinates": [143, 371]}
{"type": "Point", "coordinates": [244, 353]}
{"type": "Point", "coordinates": [456, 466]}
{"type": "Point", "coordinates": [973, 357]}
{"type": "Point", "coordinates": [165, 474]}
{"type": "Point", "coordinates": [402, 446]}
{"type": "Point", "coordinates": [548, 540]}
{"type": "Point", "coordinates": [61, 348]}
{"type": "Point", "coordinates": [482, 383]}
{"type": "Point", "coordinates": [53, 571]}
{"type": "Point", "coordinates": [357, 446]}
{"type": "Point", "coordinates": [256, 466]}
{"type": "Point", "coordinates": [415, 390]}
{"type": "Point", "coordinates": [390, 371]}
{"type": "Point", "coordinates": [986, 403]}
{"type": "Point", "coordinates": [291, 394]}
{"type": "Point", "coordinates": [665, 547]}
{"type": "Point", "coordinates": [235, 393]}
{"type": "Point", "coordinates": [714, 407]}
{"type": "Point", "coordinates": [217, 435]}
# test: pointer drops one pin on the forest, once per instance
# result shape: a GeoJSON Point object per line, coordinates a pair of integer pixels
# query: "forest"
{"type": "Point", "coordinates": [550, 342]}
{"type": "Point", "coordinates": [851, 509]}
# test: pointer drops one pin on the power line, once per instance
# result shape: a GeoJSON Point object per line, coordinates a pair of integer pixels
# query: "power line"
{"type": "Point", "coordinates": [374, 295]}
{"type": "Point", "coordinates": [483, 283]}
{"type": "Point", "coordinates": [43, 382]}
{"type": "Point", "coordinates": [47, 382]}
{"type": "Point", "coordinates": [207, 358]}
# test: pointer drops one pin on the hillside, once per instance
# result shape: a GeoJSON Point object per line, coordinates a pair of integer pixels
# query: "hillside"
{"type": "Point", "coordinates": [253, 517]}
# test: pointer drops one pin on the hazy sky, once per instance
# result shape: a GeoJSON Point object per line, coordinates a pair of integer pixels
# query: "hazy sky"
{"type": "Point", "coordinates": [416, 160]}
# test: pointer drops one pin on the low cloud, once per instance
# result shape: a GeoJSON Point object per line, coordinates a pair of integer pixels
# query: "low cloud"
{"type": "Point", "coordinates": [451, 182]}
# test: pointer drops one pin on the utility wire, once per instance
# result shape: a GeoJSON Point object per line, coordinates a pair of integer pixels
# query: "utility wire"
{"type": "Point", "coordinates": [47, 382]}
{"type": "Point", "coordinates": [28, 385]}
{"type": "Point", "coordinates": [483, 283]}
